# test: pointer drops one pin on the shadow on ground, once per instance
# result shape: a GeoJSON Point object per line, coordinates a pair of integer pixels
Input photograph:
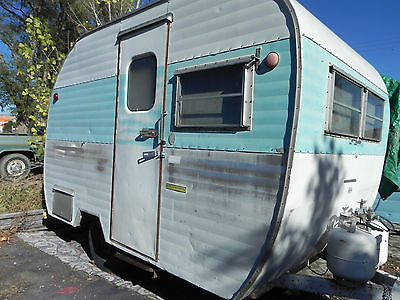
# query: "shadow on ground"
{"type": "Point", "coordinates": [166, 286]}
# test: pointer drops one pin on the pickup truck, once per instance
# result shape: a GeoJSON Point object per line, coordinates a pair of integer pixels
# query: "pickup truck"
{"type": "Point", "coordinates": [16, 156]}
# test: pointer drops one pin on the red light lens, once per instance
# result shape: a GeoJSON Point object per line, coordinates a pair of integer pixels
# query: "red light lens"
{"type": "Point", "coordinates": [55, 97]}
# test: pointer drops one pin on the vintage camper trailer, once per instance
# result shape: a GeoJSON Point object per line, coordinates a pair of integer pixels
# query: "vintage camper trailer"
{"type": "Point", "coordinates": [214, 139]}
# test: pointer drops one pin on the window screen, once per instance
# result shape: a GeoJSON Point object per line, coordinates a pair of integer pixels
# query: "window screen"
{"type": "Point", "coordinates": [211, 98]}
{"type": "Point", "coordinates": [142, 83]}
{"type": "Point", "coordinates": [373, 118]}
{"type": "Point", "coordinates": [346, 107]}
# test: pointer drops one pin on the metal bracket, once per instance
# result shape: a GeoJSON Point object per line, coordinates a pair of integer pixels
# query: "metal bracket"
{"type": "Point", "coordinates": [256, 59]}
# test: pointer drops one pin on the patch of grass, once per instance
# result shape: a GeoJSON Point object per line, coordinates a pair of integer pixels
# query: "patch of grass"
{"type": "Point", "coordinates": [21, 195]}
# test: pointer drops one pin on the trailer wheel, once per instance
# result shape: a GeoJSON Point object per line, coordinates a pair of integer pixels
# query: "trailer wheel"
{"type": "Point", "coordinates": [13, 166]}
{"type": "Point", "coordinates": [100, 251]}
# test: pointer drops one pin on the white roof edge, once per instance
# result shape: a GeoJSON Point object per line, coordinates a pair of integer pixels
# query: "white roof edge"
{"type": "Point", "coordinates": [315, 30]}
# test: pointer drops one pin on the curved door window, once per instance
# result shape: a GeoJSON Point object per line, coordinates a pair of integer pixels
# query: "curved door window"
{"type": "Point", "coordinates": [142, 82]}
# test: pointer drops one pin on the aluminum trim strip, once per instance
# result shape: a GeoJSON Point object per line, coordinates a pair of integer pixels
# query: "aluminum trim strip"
{"type": "Point", "coordinates": [167, 18]}
{"type": "Point", "coordinates": [226, 62]}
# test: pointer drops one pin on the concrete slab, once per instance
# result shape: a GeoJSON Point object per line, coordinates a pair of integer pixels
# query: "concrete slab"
{"type": "Point", "coordinates": [66, 245]}
{"type": "Point", "coordinates": [22, 220]}
{"type": "Point", "coordinates": [28, 273]}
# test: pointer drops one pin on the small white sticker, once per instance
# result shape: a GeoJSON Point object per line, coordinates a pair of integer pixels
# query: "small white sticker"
{"type": "Point", "coordinates": [173, 159]}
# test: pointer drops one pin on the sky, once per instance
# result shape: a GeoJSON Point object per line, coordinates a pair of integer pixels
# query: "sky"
{"type": "Point", "coordinates": [370, 27]}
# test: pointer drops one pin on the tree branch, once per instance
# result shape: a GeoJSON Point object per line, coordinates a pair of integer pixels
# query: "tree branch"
{"type": "Point", "coordinates": [11, 12]}
{"type": "Point", "coordinates": [75, 19]}
{"type": "Point", "coordinates": [2, 61]}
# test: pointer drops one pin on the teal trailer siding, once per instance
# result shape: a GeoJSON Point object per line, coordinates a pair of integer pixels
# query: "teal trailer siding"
{"type": "Point", "coordinates": [130, 122]}
{"type": "Point", "coordinates": [310, 134]}
{"type": "Point", "coordinates": [271, 117]}
{"type": "Point", "coordinates": [388, 208]}
{"type": "Point", "coordinates": [272, 97]}
{"type": "Point", "coordinates": [72, 118]}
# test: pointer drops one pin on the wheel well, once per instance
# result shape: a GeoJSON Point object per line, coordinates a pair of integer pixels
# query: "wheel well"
{"type": "Point", "coordinates": [28, 154]}
{"type": "Point", "coordinates": [87, 219]}
{"type": "Point", "coordinates": [91, 221]}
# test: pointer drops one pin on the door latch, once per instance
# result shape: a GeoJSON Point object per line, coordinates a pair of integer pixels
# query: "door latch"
{"type": "Point", "coordinates": [149, 133]}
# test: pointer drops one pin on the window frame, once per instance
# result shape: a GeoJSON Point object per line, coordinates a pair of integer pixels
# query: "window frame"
{"type": "Point", "coordinates": [333, 70]}
{"type": "Point", "coordinates": [247, 97]}
{"type": "Point", "coordinates": [366, 115]}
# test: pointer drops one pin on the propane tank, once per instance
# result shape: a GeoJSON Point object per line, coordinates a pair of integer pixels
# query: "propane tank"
{"type": "Point", "coordinates": [352, 254]}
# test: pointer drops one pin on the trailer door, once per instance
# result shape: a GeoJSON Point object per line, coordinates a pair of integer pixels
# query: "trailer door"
{"type": "Point", "coordinates": [135, 204]}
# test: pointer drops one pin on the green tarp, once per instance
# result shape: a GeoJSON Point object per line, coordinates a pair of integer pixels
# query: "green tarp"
{"type": "Point", "coordinates": [390, 180]}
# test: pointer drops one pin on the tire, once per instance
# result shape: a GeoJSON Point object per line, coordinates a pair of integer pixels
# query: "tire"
{"type": "Point", "coordinates": [100, 250]}
{"type": "Point", "coordinates": [13, 166]}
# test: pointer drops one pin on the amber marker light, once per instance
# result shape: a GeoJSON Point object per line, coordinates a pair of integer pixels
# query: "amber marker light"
{"type": "Point", "coordinates": [272, 60]}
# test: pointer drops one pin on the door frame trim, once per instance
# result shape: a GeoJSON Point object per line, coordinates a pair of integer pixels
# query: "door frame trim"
{"type": "Point", "coordinates": [167, 19]}
{"type": "Point", "coordinates": [162, 138]}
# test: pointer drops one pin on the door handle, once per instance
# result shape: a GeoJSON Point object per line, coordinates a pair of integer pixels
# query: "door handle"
{"type": "Point", "coordinates": [149, 133]}
{"type": "Point", "coordinates": [148, 155]}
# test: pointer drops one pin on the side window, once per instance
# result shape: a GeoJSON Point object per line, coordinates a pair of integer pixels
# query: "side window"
{"type": "Point", "coordinates": [142, 82]}
{"type": "Point", "coordinates": [353, 111]}
{"type": "Point", "coordinates": [346, 110]}
{"type": "Point", "coordinates": [215, 97]}
{"type": "Point", "coordinates": [373, 118]}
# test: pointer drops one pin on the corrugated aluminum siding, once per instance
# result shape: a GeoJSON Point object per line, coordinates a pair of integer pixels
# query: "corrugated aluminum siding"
{"type": "Point", "coordinates": [84, 112]}
{"type": "Point", "coordinates": [199, 28]}
{"type": "Point", "coordinates": [85, 169]}
{"type": "Point", "coordinates": [96, 55]}
{"type": "Point", "coordinates": [310, 134]}
{"type": "Point", "coordinates": [92, 58]}
{"type": "Point", "coordinates": [208, 27]}
{"type": "Point", "coordinates": [318, 191]}
{"type": "Point", "coordinates": [273, 92]}
{"type": "Point", "coordinates": [213, 234]}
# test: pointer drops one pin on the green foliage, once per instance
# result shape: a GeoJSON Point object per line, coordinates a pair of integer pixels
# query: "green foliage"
{"type": "Point", "coordinates": [8, 127]}
{"type": "Point", "coordinates": [40, 75]}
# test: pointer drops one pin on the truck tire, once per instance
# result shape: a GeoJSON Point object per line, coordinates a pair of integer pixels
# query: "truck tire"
{"type": "Point", "coordinates": [13, 166]}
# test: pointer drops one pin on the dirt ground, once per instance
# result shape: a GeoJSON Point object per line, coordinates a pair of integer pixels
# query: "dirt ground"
{"type": "Point", "coordinates": [22, 194]}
